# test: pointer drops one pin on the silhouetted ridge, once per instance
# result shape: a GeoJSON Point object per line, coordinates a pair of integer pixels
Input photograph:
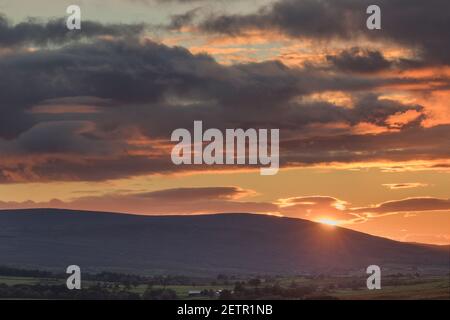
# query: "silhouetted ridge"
{"type": "Point", "coordinates": [234, 243]}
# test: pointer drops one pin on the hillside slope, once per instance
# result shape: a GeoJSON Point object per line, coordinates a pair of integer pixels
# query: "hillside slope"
{"type": "Point", "coordinates": [235, 243]}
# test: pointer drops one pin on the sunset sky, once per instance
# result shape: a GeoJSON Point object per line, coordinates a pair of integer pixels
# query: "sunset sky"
{"type": "Point", "coordinates": [364, 115]}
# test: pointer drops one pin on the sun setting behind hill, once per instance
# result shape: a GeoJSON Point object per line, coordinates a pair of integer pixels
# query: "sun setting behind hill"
{"type": "Point", "coordinates": [326, 123]}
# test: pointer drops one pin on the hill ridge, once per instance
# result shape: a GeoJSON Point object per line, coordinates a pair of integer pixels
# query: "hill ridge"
{"type": "Point", "coordinates": [213, 243]}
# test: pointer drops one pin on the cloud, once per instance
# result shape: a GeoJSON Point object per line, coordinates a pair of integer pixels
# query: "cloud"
{"type": "Point", "coordinates": [406, 205]}
{"type": "Point", "coordinates": [165, 202]}
{"type": "Point", "coordinates": [66, 111]}
{"type": "Point", "coordinates": [200, 200]}
{"type": "Point", "coordinates": [406, 185]}
{"type": "Point", "coordinates": [359, 60]}
{"type": "Point", "coordinates": [413, 23]}
{"type": "Point", "coordinates": [178, 21]}
{"type": "Point", "coordinates": [39, 33]}
{"type": "Point", "coordinates": [316, 208]}
{"type": "Point", "coordinates": [206, 193]}
{"type": "Point", "coordinates": [410, 144]}
{"type": "Point", "coordinates": [231, 199]}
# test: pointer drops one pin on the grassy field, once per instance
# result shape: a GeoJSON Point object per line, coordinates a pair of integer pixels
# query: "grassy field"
{"type": "Point", "coordinates": [392, 288]}
{"type": "Point", "coordinates": [435, 288]}
{"type": "Point", "coordinates": [343, 288]}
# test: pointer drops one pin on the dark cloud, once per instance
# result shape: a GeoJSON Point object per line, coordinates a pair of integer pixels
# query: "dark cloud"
{"type": "Point", "coordinates": [359, 60]}
{"type": "Point", "coordinates": [129, 73]}
{"type": "Point", "coordinates": [119, 72]}
{"type": "Point", "coordinates": [178, 21]}
{"type": "Point", "coordinates": [367, 108]}
{"type": "Point", "coordinates": [62, 138]}
{"type": "Point", "coordinates": [423, 25]}
{"type": "Point", "coordinates": [39, 33]}
{"type": "Point", "coordinates": [83, 159]}
{"type": "Point", "coordinates": [411, 143]}
{"type": "Point", "coordinates": [78, 107]}
{"type": "Point", "coordinates": [192, 193]}
{"type": "Point", "coordinates": [21, 122]}
{"type": "Point", "coordinates": [310, 18]}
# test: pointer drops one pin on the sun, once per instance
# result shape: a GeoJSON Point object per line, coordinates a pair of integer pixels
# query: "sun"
{"type": "Point", "coordinates": [328, 222]}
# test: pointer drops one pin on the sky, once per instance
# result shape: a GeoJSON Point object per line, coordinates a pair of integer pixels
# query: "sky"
{"type": "Point", "coordinates": [364, 115]}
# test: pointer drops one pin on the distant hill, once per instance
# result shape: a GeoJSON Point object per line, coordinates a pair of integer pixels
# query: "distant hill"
{"type": "Point", "coordinates": [203, 244]}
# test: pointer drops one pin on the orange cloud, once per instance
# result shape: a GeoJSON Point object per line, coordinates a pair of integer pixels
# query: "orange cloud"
{"type": "Point", "coordinates": [407, 185]}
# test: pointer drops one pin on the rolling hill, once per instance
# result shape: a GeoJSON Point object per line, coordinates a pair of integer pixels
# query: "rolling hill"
{"type": "Point", "coordinates": [210, 244]}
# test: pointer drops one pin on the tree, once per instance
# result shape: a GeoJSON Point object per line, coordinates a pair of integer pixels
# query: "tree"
{"type": "Point", "coordinates": [254, 282]}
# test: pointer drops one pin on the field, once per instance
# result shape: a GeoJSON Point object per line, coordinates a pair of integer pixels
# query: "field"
{"type": "Point", "coordinates": [394, 287]}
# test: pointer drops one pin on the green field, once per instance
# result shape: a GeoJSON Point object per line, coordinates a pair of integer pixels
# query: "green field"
{"type": "Point", "coordinates": [342, 287]}
{"type": "Point", "coordinates": [436, 289]}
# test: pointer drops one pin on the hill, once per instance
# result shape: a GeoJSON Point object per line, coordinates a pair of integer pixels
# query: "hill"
{"type": "Point", "coordinates": [226, 243]}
